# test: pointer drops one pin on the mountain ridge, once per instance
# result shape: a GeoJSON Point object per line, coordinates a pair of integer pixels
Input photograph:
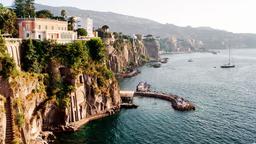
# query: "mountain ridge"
{"type": "Point", "coordinates": [212, 38]}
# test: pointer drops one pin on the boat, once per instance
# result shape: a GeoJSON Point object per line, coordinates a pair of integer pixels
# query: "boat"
{"type": "Point", "coordinates": [155, 64]}
{"type": "Point", "coordinates": [228, 65]}
{"type": "Point", "coordinates": [164, 60]}
{"type": "Point", "coordinates": [190, 60]}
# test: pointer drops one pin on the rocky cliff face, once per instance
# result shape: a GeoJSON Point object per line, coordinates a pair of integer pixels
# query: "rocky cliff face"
{"type": "Point", "coordinates": [126, 52]}
{"type": "Point", "coordinates": [87, 100]}
{"type": "Point", "coordinates": [22, 118]}
{"type": "Point", "coordinates": [2, 120]}
{"type": "Point", "coordinates": [175, 44]}
{"type": "Point", "coordinates": [31, 111]}
{"type": "Point", "coordinates": [152, 47]}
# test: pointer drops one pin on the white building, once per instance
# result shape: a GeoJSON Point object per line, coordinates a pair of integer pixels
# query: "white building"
{"type": "Point", "coordinates": [87, 24]}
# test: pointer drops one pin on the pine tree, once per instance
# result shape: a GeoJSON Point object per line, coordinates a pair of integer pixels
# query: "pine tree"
{"type": "Point", "coordinates": [24, 8]}
{"type": "Point", "coordinates": [30, 8]}
{"type": "Point", "coordinates": [19, 8]}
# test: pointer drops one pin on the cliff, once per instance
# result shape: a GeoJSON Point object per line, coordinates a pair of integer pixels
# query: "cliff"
{"type": "Point", "coordinates": [175, 44]}
{"type": "Point", "coordinates": [89, 98]}
{"type": "Point", "coordinates": [126, 52]}
{"type": "Point", "coordinates": [22, 118]}
{"type": "Point", "coordinates": [152, 46]}
{"type": "Point", "coordinates": [54, 91]}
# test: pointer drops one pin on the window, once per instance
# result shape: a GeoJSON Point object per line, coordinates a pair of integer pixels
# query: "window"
{"type": "Point", "coordinates": [46, 27]}
{"type": "Point", "coordinates": [52, 27]}
{"type": "Point", "coordinates": [27, 26]}
{"type": "Point", "coordinates": [27, 35]}
{"type": "Point", "coordinates": [39, 26]}
{"type": "Point", "coordinates": [39, 36]}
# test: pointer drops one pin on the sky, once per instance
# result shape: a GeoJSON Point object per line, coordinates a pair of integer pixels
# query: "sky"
{"type": "Point", "coordinates": [236, 16]}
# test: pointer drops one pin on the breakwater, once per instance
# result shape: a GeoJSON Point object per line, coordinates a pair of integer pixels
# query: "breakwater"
{"type": "Point", "coordinates": [143, 90]}
{"type": "Point", "coordinates": [178, 103]}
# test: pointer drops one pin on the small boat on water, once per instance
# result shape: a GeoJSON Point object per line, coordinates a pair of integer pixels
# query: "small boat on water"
{"type": "Point", "coordinates": [190, 60]}
{"type": "Point", "coordinates": [229, 65]}
{"type": "Point", "coordinates": [155, 64]}
{"type": "Point", "coordinates": [164, 60]}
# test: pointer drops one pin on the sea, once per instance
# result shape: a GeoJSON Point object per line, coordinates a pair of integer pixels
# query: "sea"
{"type": "Point", "coordinates": [225, 101]}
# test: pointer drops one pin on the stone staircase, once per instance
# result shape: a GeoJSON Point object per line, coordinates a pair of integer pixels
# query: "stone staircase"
{"type": "Point", "coordinates": [9, 137]}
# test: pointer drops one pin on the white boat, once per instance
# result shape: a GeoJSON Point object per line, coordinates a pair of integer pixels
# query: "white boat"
{"type": "Point", "coordinates": [228, 65]}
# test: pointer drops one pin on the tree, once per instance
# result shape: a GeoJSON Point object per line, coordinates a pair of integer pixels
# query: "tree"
{"type": "Point", "coordinates": [7, 20]}
{"type": "Point", "coordinates": [19, 8]}
{"type": "Point", "coordinates": [24, 8]}
{"type": "Point", "coordinates": [97, 49]}
{"type": "Point", "coordinates": [71, 22]}
{"type": "Point", "coordinates": [63, 13]}
{"type": "Point", "coordinates": [44, 14]}
{"type": "Point", "coordinates": [81, 32]}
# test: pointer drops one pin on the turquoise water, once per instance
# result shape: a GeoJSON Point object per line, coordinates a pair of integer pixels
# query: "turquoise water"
{"type": "Point", "coordinates": [225, 100]}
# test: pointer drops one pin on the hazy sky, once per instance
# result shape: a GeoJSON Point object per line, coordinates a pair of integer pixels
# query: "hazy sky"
{"type": "Point", "coordinates": [232, 15]}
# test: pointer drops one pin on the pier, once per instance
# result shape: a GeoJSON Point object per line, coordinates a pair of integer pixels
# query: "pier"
{"type": "Point", "coordinates": [178, 103]}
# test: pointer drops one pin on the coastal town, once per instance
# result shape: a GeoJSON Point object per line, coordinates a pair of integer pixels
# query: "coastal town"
{"type": "Point", "coordinates": [50, 83]}
{"type": "Point", "coordinates": [127, 72]}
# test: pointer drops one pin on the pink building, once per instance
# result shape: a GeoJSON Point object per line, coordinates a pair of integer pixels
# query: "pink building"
{"type": "Point", "coordinates": [49, 29]}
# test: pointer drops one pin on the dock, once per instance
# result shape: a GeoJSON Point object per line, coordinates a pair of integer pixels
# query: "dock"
{"type": "Point", "coordinates": [142, 90]}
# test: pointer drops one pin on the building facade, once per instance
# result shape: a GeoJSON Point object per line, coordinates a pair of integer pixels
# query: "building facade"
{"type": "Point", "coordinates": [87, 24]}
{"type": "Point", "coordinates": [45, 29]}
{"type": "Point", "coordinates": [89, 27]}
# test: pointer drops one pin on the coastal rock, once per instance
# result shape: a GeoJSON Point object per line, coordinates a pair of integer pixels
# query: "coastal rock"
{"type": "Point", "coordinates": [48, 136]}
{"type": "Point", "coordinates": [152, 46]}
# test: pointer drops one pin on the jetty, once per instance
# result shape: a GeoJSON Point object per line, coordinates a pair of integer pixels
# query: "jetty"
{"type": "Point", "coordinates": [143, 90]}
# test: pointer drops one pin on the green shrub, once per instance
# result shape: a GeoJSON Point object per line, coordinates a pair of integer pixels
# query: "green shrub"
{"type": "Point", "coordinates": [20, 119]}
{"type": "Point", "coordinates": [97, 50]}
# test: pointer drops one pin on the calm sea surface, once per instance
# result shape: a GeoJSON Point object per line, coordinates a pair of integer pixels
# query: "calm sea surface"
{"type": "Point", "coordinates": [225, 100]}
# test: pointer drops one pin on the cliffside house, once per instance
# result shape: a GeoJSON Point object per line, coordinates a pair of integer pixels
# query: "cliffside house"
{"type": "Point", "coordinates": [49, 29]}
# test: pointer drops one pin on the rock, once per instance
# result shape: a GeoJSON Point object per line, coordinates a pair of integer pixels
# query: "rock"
{"type": "Point", "coordinates": [48, 136]}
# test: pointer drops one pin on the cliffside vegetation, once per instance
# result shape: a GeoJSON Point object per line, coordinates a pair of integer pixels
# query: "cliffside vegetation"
{"type": "Point", "coordinates": [7, 21]}
{"type": "Point", "coordinates": [7, 65]}
{"type": "Point", "coordinates": [79, 57]}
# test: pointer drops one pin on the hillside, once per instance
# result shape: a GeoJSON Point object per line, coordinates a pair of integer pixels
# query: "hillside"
{"type": "Point", "coordinates": [211, 38]}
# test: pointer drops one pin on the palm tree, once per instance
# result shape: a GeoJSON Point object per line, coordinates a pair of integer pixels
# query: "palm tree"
{"type": "Point", "coordinates": [71, 22]}
{"type": "Point", "coordinates": [63, 13]}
